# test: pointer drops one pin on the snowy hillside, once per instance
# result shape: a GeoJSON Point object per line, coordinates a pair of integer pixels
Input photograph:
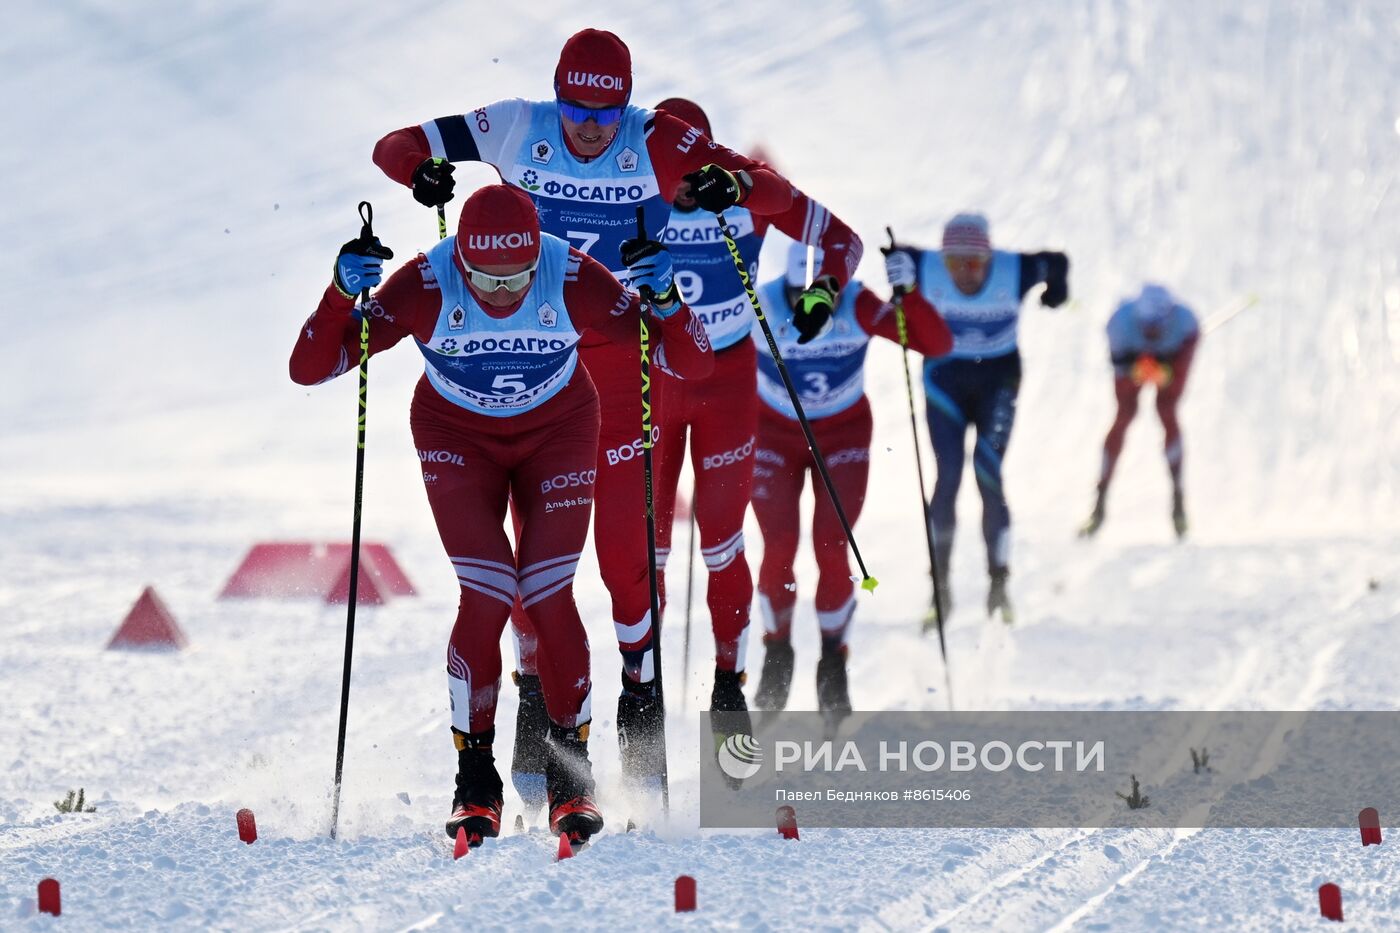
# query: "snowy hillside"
{"type": "Point", "coordinates": [176, 180]}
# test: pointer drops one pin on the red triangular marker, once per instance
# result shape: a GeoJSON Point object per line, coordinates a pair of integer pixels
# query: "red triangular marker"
{"type": "Point", "coordinates": [565, 850]}
{"type": "Point", "coordinates": [460, 848]}
{"type": "Point", "coordinates": [685, 894]}
{"type": "Point", "coordinates": [367, 584]}
{"type": "Point", "coordinates": [149, 624]}
{"type": "Point", "coordinates": [787, 823]}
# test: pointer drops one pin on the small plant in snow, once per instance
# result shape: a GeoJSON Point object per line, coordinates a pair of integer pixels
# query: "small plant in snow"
{"type": "Point", "coordinates": [1137, 799]}
{"type": "Point", "coordinates": [1200, 761]}
{"type": "Point", "coordinates": [73, 803]}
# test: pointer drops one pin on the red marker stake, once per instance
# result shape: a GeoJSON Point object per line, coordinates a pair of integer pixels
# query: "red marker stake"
{"type": "Point", "coordinates": [787, 823]}
{"type": "Point", "coordinates": [460, 847]}
{"type": "Point", "coordinates": [1329, 901]}
{"type": "Point", "coordinates": [1370, 821]}
{"type": "Point", "coordinates": [565, 850]}
{"type": "Point", "coordinates": [685, 894]}
{"type": "Point", "coordinates": [49, 898]}
{"type": "Point", "coordinates": [247, 826]}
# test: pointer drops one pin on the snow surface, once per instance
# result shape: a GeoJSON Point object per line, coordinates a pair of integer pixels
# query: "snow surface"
{"type": "Point", "coordinates": [176, 178]}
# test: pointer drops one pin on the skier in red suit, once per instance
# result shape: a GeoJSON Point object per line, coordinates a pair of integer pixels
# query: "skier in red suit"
{"type": "Point", "coordinates": [505, 411]}
{"type": "Point", "coordinates": [829, 375]}
{"type": "Point", "coordinates": [590, 159]}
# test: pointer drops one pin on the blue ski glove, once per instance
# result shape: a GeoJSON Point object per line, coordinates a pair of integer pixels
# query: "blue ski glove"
{"type": "Point", "coordinates": [360, 265]}
{"type": "Point", "coordinates": [649, 273]}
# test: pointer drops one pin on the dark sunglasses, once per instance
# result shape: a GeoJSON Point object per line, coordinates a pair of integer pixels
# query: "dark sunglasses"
{"type": "Point", "coordinates": [604, 116]}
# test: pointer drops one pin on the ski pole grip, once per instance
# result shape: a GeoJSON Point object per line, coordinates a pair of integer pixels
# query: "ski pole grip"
{"type": "Point", "coordinates": [648, 295]}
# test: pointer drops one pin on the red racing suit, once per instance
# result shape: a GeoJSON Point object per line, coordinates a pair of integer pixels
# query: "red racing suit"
{"type": "Point", "coordinates": [642, 168]}
{"type": "Point", "coordinates": [720, 413]}
{"type": "Point", "coordinates": [543, 459]}
{"type": "Point", "coordinates": [783, 459]}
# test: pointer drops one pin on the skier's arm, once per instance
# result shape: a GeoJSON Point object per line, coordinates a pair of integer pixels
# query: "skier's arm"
{"type": "Point", "coordinates": [928, 332]}
{"type": "Point", "coordinates": [807, 221]}
{"type": "Point", "coordinates": [598, 302]}
{"type": "Point", "coordinates": [329, 342]}
{"type": "Point", "coordinates": [677, 149]}
{"type": "Point", "coordinates": [1050, 268]}
{"type": "Point", "coordinates": [480, 136]}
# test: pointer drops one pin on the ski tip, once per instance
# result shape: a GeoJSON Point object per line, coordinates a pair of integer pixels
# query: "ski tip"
{"type": "Point", "coordinates": [566, 849]}
{"type": "Point", "coordinates": [462, 845]}
{"type": "Point", "coordinates": [869, 584]}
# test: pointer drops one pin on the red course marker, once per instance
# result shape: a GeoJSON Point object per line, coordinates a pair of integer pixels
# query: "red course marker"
{"type": "Point", "coordinates": [787, 823]}
{"type": "Point", "coordinates": [685, 894]}
{"type": "Point", "coordinates": [1370, 821]}
{"type": "Point", "coordinates": [48, 897]}
{"type": "Point", "coordinates": [460, 847]}
{"type": "Point", "coordinates": [1329, 900]}
{"type": "Point", "coordinates": [247, 826]}
{"type": "Point", "coordinates": [565, 850]}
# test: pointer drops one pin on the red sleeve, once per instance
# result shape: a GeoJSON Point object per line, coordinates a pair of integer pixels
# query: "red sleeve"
{"type": "Point", "coordinates": [807, 221]}
{"type": "Point", "coordinates": [677, 149]}
{"type": "Point", "coordinates": [402, 151]}
{"type": "Point", "coordinates": [928, 332]}
{"type": "Point", "coordinates": [329, 343]}
{"type": "Point", "coordinates": [598, 302]}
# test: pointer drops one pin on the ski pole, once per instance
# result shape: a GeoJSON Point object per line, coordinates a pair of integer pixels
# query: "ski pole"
{"type": "Point", "coordinates": [689, 590]}
{"type": "Point", "coordinates": [352, 597]}
{"type": "Point", "coordinates": [867, 581]}
{"type": "Point", "coordinates": [647, 297]}
{"type": "Point", "coordinates": [1228, 312]}
{"type": "Point", "coordinates": [442, 221]}
{"type": "Point", "coordinates": [902, 325]}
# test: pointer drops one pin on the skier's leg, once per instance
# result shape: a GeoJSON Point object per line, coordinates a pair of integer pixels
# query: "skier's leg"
{"type": "Point", "coordinates": [1125, 392]}
{"type": "Point", "coordinates": [467, 493]}
{"type": "Point", "coordinates": [995, 415]}
{"type": "Point", "coordinates": [668, 456]}
{"type": "Point", "coordinates": [722, 456]}
{"type": "Point", "coordinates": [780, 469]}
{"type": "Point", "coordinates": [1166, 410]}
{"type": "Point", "coordinates": [947, 428]}
{"type": "Point", "coordinates": [845, 442]}
{"type": "Point", "coordinates": [619, 513]}
{"type": "Point", "coordinates": [554, 526]}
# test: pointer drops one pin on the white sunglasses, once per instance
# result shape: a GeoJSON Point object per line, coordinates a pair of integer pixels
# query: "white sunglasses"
{"type": "Point", "coordinates": [511, 283]}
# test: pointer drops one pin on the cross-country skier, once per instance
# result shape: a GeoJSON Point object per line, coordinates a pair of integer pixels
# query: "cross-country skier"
{"type": "Point", "coordinates": [979, 292]}
{"type": "Point", "coordinates": [589, 159]}
{"type": "Point", "coordinates": [1151, 339]}
{"type": "Point", "coordinates": [829, 374]}
{"type": "Point", "coordinates": [720, 413]}
{"type": "Point", "coordinates": [504, 411]}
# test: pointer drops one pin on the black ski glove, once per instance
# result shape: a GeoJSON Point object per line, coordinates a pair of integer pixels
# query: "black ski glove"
{"type": "Point", "coordinates": [814, 307]}
{"type": "Point", "coordinates": [432, 182]}
{"type": "Point", "coordinates": [717, 189]}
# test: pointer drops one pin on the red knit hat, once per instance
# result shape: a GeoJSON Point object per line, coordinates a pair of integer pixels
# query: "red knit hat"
{"type": "Point", "coordinates": [687, 110]}
{"type": "Point", "coordinates": [594, 65]}
{"type": "Point", "coordinates": [966, 235]}
{"type": "Point", "coordinates": [499, 225]}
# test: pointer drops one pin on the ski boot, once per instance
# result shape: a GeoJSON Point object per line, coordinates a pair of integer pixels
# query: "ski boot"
{"type": "Point", "coordinates": [997, 598]}
{"type": "Point", "coordinates": [1095, 521]}
{"type": "Point", "coordinates": [527, 765]}
{"type": "Point", "coordinates": [942, 595]}
{"type": "Point", "coordinates": [569, 775]}
{"type": "Point", "coordinates": [476, 805]}
{"type": "Point", "coordinates": [1178, 513]}
{"type": "Point", "coordinates": [833, 693]}
{"type": "Point", "coordinates": [729, 712]}
{"type": "Point", "coordinates": [641, 722]}
{"type": "Point", "coordinates": [775, 682]}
